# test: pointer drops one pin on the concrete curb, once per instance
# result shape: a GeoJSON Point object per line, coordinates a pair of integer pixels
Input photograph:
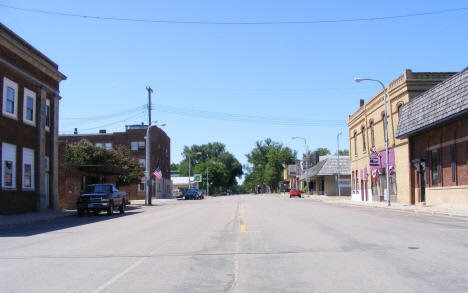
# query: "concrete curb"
{"type": "Point", "coordinates": [407, 210]}
{"type": "Point", "coordinates": [33, 218]}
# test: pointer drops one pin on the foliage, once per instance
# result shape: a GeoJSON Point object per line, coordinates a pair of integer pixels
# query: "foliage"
{"type": "Point", "coordinates": [174, 167]}
{"type": "Point", "coordinates": [344, 152]}
{"type": "Point", "coordinates": [323, 151]}
{"type": "Point", "coordinates": [223, 167]}
{"type": "Point", "coordinates": [267, 161]}
{"type": "Point", "coordinates": [85, 153]}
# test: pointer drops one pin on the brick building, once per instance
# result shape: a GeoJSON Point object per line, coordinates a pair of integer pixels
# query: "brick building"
{"type": "Point", "coordinates": [134, 139]}
{"type": "Point", "coordinates": [436, 124]}
{"type": "Point", "coordinates": [29, 125]}
{"type": "Point", "coordinates": [367, 143]}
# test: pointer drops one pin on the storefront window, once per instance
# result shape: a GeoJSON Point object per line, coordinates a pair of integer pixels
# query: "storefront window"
{"type": "Point", "coordinates": [435, 166]}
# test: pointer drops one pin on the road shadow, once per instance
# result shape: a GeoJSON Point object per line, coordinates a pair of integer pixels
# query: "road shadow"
{"type": "Point", "coordinates": [31, 229]}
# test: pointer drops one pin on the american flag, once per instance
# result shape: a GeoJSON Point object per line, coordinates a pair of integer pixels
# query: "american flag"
{"type": "Point", "coordinates": [157, 173]}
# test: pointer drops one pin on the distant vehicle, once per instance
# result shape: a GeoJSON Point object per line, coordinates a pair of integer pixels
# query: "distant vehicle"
{"type": "Point", "coordinates": [294, 192]}
{"type": "Point", "coordinates": [225, 192]}
{"type": "Point", "coordinates": [101, 197]}
{"type": "Point", "coordinates": [177, 193]}
{"type": "Point", "coordinates": [192, 193]}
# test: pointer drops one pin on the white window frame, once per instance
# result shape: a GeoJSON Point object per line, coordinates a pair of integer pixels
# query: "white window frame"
{"type": "Point", "coordinates": [28, 159]}
{"type": "Point", "coordinates": [141, 145]}
{"type": "Point", "coordinates": [30, 94]}
{"type": "Point", "coordinates": [10, 84]}
{"type": "Point", "coordinates": [108, 145]}
{"type": "Point", "coordinates": [7, 157]}
{"type": "Point", "coordinates": [47, 128]}
{"type": "Point", "coordinates": [99, 144]}
{"type": "Point", "coordinates": [134, 146]}
{"type": "Point", "coordinates": [143, 181]}
{"type": "Point", "coordinates": [142, 163]}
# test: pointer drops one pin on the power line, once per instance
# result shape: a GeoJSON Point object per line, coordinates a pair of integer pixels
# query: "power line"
{"type": "Point", "coordinates": [105, 125]}
{"type": "Point", "coordinates": [201, 22]}
{"type": "Point", "coordinates": [126, 111]}
{"type": "Point", "coordinates": [243, 118]}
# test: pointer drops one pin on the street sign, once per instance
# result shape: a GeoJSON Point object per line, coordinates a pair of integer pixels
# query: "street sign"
{"type": "Point", "coordinates": [197, 178]}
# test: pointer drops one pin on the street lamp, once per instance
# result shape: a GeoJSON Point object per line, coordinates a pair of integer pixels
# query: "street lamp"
{"type": "Point", "coordinates": [148, 162]}
{"type": "Point", "coordinates": [306, 167]}
{"type": "Point", "coordinates": [358, 79]}
{"type": "Point", "coordinates": [338, 172]}
{"type": "Point", "coordinates": [189, 166]}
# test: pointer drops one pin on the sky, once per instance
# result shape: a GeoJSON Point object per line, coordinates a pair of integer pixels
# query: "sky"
{"type": "Point", "coordinates": [212, 82]}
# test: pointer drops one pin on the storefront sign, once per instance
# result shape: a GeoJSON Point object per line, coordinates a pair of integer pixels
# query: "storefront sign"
{"type": "Point", "coordinates": [344, 183]}
{"type": "Point", "coordinates": [374, 161]}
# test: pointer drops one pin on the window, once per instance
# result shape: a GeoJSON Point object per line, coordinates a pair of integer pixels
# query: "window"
{"type": "Point", "coordinates": [28, 168]}
{"type": "Point", "coordinates": [398, 110]}
{"type": "Point", "coordinates": [355, 144]}
{"type": "Point", "coordinates": [99, 144]}
{"type": "Point", "coordinates": [142, 162]}
{"type": "Point", "coordinates": [47, 162]}
{"type": "Point", "coordinates": [452, 158]}
{"type": "Point", "coordinates": [29, 106]}
{"type": "Point", "coordinates": [137, 145]}
{"type": "Point", "coordinates": [363, 131]}
{"type": "Point", "coordinates": [435, 166]}
{"type": "Point", "coordinates": [47, 115]}
{"type": "Point", "coordinates": [372, 134]}
{"type": "Point", "coordinates": [141, 185]}
{"type": "Point", "coordinates": [10, 99]}
{"type": "Point", "coordinates": [8, 166]}
{"type": "Point", "coordinates": [167, 153]}
{"type": "Point", "coordinates": [108, 145]}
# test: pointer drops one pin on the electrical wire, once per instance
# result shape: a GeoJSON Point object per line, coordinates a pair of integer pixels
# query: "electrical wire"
{"type": "Point", "coordinates": [200, 22]}
{"type": "Point", "coordinates": [243, 118]}
{"type": "Point", "coordinates": [105, 125]}
{"type": "Point", "coordinates": [126, 111]}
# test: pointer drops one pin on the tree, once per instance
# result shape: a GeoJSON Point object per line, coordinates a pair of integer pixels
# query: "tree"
{"type": "Point", "coordinates": [323, 151]}
{"type": "Point", "coordinates": [344, 152]}
{"type": "Point", "coordinates": [267, 161]}
{"type": "Point", "coordinates": [223, 167]}
{"type": "Point", "coordinates": [85, 153]}
{"type": "Point", "coordinates": [174, 167]}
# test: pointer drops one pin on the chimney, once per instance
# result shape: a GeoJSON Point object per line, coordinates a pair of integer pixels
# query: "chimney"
{"type": "Point", "coordinates": [102, 131]}
{"type": "Point", "coordinates": [361, 103]}
{"type": "Point", "coordinates": [76, 131]}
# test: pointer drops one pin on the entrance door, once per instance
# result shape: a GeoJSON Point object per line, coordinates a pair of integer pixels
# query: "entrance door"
{"type": "Point", "coordinates": [47, 192]}
{"type": "Point", "coordinates": [423, 187]}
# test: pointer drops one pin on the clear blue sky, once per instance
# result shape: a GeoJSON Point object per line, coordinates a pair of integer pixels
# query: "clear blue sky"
{"type": "Point", "coordinates": [303, 71]}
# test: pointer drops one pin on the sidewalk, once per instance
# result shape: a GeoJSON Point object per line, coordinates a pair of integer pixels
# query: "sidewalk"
{"type": "Point", "coordinates": [418, 209]}
{"type": "Point", "coordinates": [11, 220]}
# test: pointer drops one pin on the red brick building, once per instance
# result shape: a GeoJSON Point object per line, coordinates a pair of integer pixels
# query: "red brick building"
{"type": "Point", "coordinates": [436, 123]}
{"type": "Point", "coordinates": [134, 139]}
{"type": "Point", "coordinates": [29, 103]}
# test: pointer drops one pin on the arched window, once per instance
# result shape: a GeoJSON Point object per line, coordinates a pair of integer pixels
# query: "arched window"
{"type": "Point", "coordinates": [355, 144]}
{"type": "Point", "coordinates": [371, 124]}
{"type": "Point", "coordinates": [398, 108]}
{"type": "Point", "coordinates": [363, 131]}
{"type": "Point", "coordinates": [383, 124]}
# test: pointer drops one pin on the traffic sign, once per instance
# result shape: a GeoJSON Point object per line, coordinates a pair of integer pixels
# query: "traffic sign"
{"type": "Point", "coordinates": [197, 178]}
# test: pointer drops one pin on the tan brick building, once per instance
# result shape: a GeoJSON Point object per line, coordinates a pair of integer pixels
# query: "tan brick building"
{"type": "Point", "coordinates": [367, 144]}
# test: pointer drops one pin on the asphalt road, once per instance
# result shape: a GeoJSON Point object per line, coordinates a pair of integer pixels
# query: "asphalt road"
{"type": "Point", "coordinates": [238, 244]}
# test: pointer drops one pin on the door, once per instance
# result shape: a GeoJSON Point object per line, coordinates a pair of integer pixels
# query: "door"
{"type": "Point", "coordinates": [47, 191]}
{"type": "Point", "coordinates": [423, 187]}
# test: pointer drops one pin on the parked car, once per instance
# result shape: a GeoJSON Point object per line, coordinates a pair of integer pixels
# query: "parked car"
{"type": "Point", "coordinates": [101, 197]}
{"type": "Point", "coordinates": [177, 193]}
{"type": "Point", "coordinates": [192, 193]}
{"type": "Point", "coordinates": [294, 192]}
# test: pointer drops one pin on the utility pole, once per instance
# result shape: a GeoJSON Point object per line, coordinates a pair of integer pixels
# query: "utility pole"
{"type": "Point", "coordinates": [338, 153]}
{"type": "Point", "coordinates": [207, 182]}
{"type": "Point", "coordinates": [148, 152]}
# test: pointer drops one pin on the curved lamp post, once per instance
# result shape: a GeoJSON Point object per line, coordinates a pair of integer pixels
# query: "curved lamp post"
{"type": "Point", "coordinates": [358, 79]}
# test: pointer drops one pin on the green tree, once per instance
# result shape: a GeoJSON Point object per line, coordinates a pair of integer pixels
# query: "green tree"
{"type": "Point", "coordinates": [267, 162]}
{"type": "Point", "coordinates": [323, 151]}
{"type": "Point", "coordinates": [174, 167]}
{"type": "Point", "coordinates": [85, 153]}
{"type": "Point", "coordinates": [344, 152]}
{"type": "Point", "coordinates": [223, 167]}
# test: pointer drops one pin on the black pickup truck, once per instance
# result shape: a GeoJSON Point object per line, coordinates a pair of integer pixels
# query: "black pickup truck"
{"type": "Point", "coordinates": [101, 197]}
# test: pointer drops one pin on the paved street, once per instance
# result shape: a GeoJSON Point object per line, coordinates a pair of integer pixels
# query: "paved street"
{"type": "Point", "coordinates": [243, 243]}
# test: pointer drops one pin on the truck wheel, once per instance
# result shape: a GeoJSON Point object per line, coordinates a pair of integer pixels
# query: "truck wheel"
{"type": "Point", "coordinates": [122, 208]}
{"type": "Point", "coordinates": [110, 209]}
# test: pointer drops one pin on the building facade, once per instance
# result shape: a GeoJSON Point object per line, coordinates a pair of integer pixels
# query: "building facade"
{"type": "Point", "coordinates": [436, 124]}
{"type": "Point", "coordinates": [29, 126]}
{"type": "Point", "coordinates": [367, 143]}
{"type": "Point", "coordinates": [134, 139]}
